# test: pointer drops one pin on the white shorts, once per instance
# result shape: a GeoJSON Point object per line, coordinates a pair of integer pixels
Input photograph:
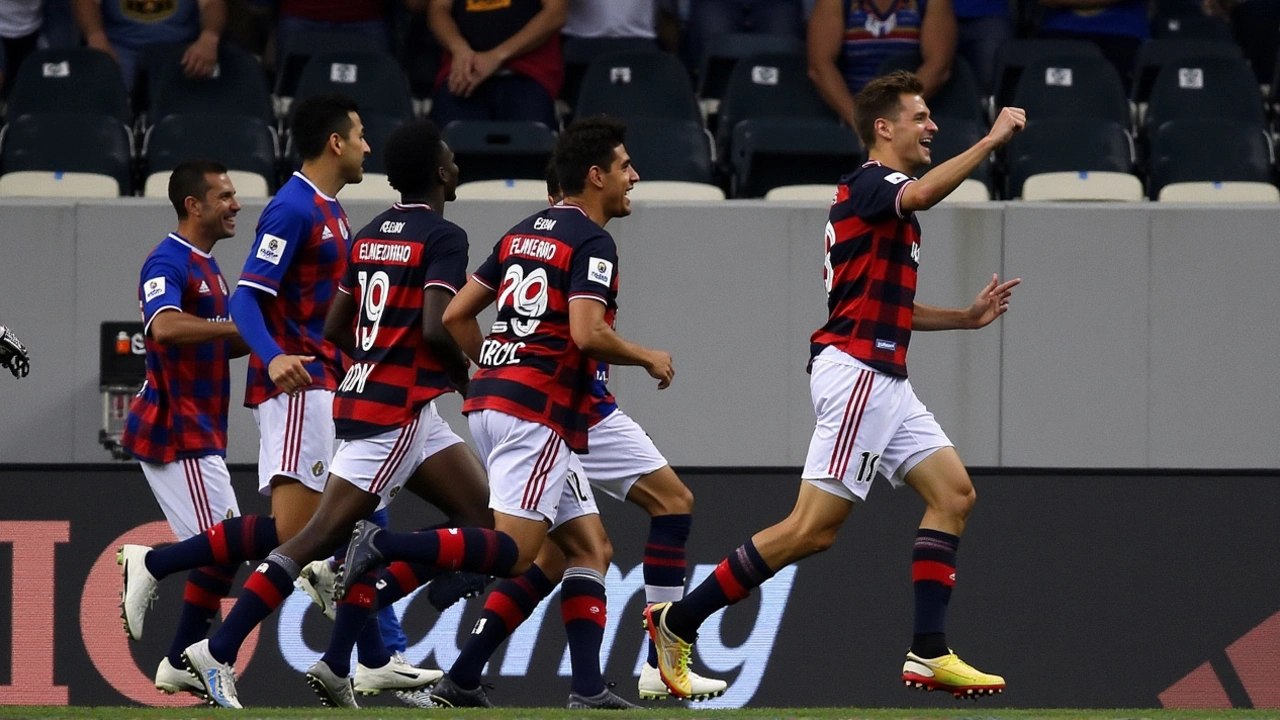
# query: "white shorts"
{"type": "Point", "coordinates": [195, 494]}
{"type": "Point", "coordinates": [528, 466]}
{"type": "Point", "coordinates": [868, 423]}
{"type": "Point", "coordinates": [295, 438]}
{"type": "Point", "coordinates": [382, 464]}
{"type": "Point", "coordinates": [621, 453]}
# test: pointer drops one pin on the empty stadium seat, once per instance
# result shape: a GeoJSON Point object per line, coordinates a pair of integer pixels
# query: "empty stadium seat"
{"type": "Point", "coordinates": [238, 87]}
{"type": "Point", "coordinates": [769, 85]}
{"type": "Point", "coordinates": [377, 130]}
{"type": "Point", "coordinates": [675, 190]}
{"type": "Point", "coordinates": [771, 152]}
{"type": "Point", "coordinates": [662, 149]}
{"type": "Point", "coordinates": [1066, 145]}
{"type": "Point", "coordinates": [1083, 185]}
{"type": "Point", "coordinates": [302, 45]}
{"type": "Point", "coordinates": [633, 85]}
{"type": "Point", "coordinates": [247, 184]}
{"type": "Point", "coordinates": [1208, 150]}
{"type": "Point", "coordinates": [960, 97]}
{"type": "Point", "coordinates": [579, 52]}
{"type": "Point", "coordinates": [969, 191]}
{"type": "Point", "coordinates": [724, 50]}
{"type": "Point", "coordinates": [503, 190]}
{"type": "Point", "coordinates": [1216, 192]}
{"type": "Point", "coordinates": [39, 183]}
{"type": "Point", "coordinates": [241, 143]}
{"type": "Point", "coordinates": [1192, 26]}
{"type": "Point", "coordinates": [1015, 55]}
{"type": "Point", "coordinates": [70, 80]}
{"type": "Point", "coordinates": [1210, 87]}
{"type": "Point", "coordinates": [373, 79]}
{"type": "Point", "coordinates": [1072, 86]}
{"type": "Point", "coordinates": [954, 136]}
{"type": "Point", "coordinates": [498, 150]}
{"type": "Point", "coordinates": [374, 186]}
{"type": "Point", "coordinates": [68, 142]}
{"type": "Point", "coordinates": [816, 193]}
{"type": "Point", "coordinates": [1155, 54]}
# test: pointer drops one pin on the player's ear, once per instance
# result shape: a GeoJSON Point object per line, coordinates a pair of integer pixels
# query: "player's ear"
{"type": "Point", "coordinates": [193, 205]}
{"type": "Point", "coordinates": [595, 176]}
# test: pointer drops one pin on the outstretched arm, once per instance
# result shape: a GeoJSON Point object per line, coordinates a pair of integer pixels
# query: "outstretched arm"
{"type": "Point", "coordinates": [991, 303]}
{"type": "Point", "coordinates": [940, 181]}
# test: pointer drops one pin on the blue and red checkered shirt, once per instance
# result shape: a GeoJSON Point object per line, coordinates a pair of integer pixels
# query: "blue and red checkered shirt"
{"type": "Point", "coordinates": [298, 256]}
{"type": "Point", "coordinates": [181, 411]}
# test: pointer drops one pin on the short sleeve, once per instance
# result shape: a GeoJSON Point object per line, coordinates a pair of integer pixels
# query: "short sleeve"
{"type": "Point", "coordinates": [347, 283]}
{"type": "Point", "coordinates": [593, 269]}
{"type": "Point", "coordinates": [448, 267]}
{"type": "Point", "coordinates": [162, 284]}
{"type": "Point", "coordinates": [876, 194]}
{"type": "Point", "coordinates": [281, 231]}
{"type": "Point", "coordinates": [487, 273]}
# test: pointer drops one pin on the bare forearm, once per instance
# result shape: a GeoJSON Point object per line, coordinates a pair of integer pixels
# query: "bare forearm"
{"type": "Point", "coordinates": [547, 22]}
{"type": "Point", "coordinates": [182, 329]}
{"type": "Point", "coordinates": [88, 17]}
{"type": "Point", "coordinates": [466, 333]}
{"type": "Point", "coordinates": [830, 84]}
{"type": "Point", "coordinates": [933, 75]}
{"type": "Point", "coordinates": [929, 317]}
{"type": "Point", "coordinates": [938, 183]}
{"type": "Point", "coordinates": [446, 30]}
{"type": "Point", "coordinates": [445, 349]}
{"type": "Point", "coordinates": [607, 346]}
{"type": "Point", "coordinates": [213, 18]}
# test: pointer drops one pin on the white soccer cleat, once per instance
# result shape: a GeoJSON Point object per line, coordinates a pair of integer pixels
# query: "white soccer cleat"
{"type": "Point", "coordinates": [218, 679]}
{"type": "Point", "coordinates": [703, 688]}
{"type": "Point", "coordinates": [139, 591]}
{"type": "Point", "coordinates": [171, 680]}
{"type": "Point", "coordinates": [317, 581]}
{"type": "Point", "coordinates": [399, 674]}
{"type": "Point", "coordinates": [334, 691]}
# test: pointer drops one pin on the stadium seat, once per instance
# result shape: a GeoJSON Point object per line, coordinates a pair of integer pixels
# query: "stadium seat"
{"type": "Point", "coordinates": [373, 79]}
{"type": "Point", "coordinates": [579, 52]}
{"type": "Point", "coordinates": [675, 190]}
{"type": "Point", "coordinates": [663, 149]}
{"type": "Point", "coordinates": [374, 186]}
{"type": "Point", "coordinates": [959, 97]}
{"type": "Point", "coordinates": [954, 136]}
{"type": "Point", "coordinates": [498, 150]}
{"type": "Point", "coordinates": [39, 183]}
{"type": "Point", "coordinates": [377, 130]}
{"type": "Point", "coordinates": [1192, 27]}
{"type": "Point", "coordinates": [503, 190]}
{"type": "Point", "coordinates": [1211, 87]}
{"type": "Point", "coordinates": [70, 80]}
{"type": "Point", "coordinates": [1155, 54]}
{"type": "Point", "coordinates": [724, 50]}
{"type": "Point", "coordinates": [1072, 86]}
{"type": "Point", "coordinates": [771, 152]}
{"type": "Point", "coordinates": [817, 193]}
{"type": "Point", "coordinates": [634, 85]}
{"type": "Point", "coordinates": [69, 142]}
{"type": "Point", "coordinates": [244, 144]}
{"type": "Point", "coordinates": [1066, 145]}
{"type": "Point", "coordinates": [238, 87]}
{"type": "Point", "coordinates": [1208, 150]}
{"type": "Point", "coordinates": [1214, 192]}
{"type": "Point", "coordinates": [1082, 185]}
{"type": "Point", "coordinates": [969, 191]}
{"type": "Point", "coordinates": [247, 184]}
{"type": "Point", "coordinates": [1015, 55]}
{"type": "Point", "coordinates": [769, 85]}
{"type": "Point", "coordinates": [302, 45]}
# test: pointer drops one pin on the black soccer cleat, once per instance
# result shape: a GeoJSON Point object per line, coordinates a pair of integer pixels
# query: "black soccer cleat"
{"type": "Point", "coordinates": [448, 694]}
{"type": "Point", "coordinates": [449, 588]}
{"type": "Point", "coordinates": [362, 556]}
{"type": "Point", "coordinates": [606, 700]}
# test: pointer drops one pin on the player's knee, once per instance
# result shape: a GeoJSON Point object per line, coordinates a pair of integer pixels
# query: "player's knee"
{"type": "Point", "coordinates": [677, 501]}
{"type": "Point", "coordinates": [959, 503]}
{"type": "Point", "coordinates": [819, 540]}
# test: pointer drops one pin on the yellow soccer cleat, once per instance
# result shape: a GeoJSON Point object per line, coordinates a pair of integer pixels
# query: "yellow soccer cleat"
{"type": "Point", "coordinates": [951, 674]}
{"type": "Point", "coordinates": [673, 652]}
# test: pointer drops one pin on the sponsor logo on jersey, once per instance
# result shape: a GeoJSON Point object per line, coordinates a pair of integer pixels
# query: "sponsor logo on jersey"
{"type": "Point", "coordinates": [391, 227]}
{"type": "Point", "coordinates": [544, 224]}
{"type": "Point", "coordinates": [272, 248]}
{"type": "Point", "coordinates": [326, 233]}
{"type": "Point", "coordinates": [886, 345]}
{"type": "Point", "coordinates": [600, 271]}
{"type": "Point", "coordinates": [204, 288]}
{"type": "Point", "coordinates": [153, 289]}
{"type": "Point", "coordinates": [896, 178]}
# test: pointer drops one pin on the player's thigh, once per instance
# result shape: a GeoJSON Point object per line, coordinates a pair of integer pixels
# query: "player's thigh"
{"type": "Point", "coordinates": [942, 481]}
{"type": "Point", "coordinates": [858, 411]}
{"type": "Point", "coordinates": [292, 505]}
{"type": "Point", "coordinates": [341, 505]}
{"type": "Point", "coordinates": [194, 494]}
{"type": "Point", "coordinates": [451, 477]}
{"type": "Point", "coordinates": [295, 439]}
{"type": "Point", "coordinates": [621, 453]}
{"type": "Point", "coordinates": [527, 463]}
{"type": "Point", "coordinates": [380, 465]}
{"type": "Point", "coordinates": [917, 439]}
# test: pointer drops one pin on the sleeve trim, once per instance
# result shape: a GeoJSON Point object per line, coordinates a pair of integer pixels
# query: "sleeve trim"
{"type": "Point", "coordinates": [588, 296]}
{"type": "Point", "coordinates": [443, 285]}
{"type": "Point", "coordinates": [258, 286]}
{"type": "Point", "coordinates": [482, 282]}
{"type": "Point", "coordinates": [147, 328]}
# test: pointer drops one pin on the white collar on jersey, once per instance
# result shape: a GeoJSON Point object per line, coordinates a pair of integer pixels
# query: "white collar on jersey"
{"type": "Point", "coordinates": [562, 205]}
{"type": "Point", "coordinates": [178, 238]}
{"type": "Point", "coordinates": [307, 180]}
{"type": "Point", "coordinates": [410, 206]}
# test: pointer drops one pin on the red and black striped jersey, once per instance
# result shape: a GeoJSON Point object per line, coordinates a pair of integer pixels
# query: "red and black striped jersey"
{"type": "Point", "coordinates": [529, 366]}
{"type": "Point", "coordinates": [872, 253]}
{"type": "Point", "coordinates": [393, 260]}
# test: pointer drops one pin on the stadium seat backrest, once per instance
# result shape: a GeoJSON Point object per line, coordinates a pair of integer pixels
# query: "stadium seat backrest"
{"type": "Point", "coordinates": [238, 87]}
{"type": "Point", "coordinates": [497, 150]}
{"type": "Point", "coordinates": [239, 142]}
{"type": "Point", "coordinates": [1015, 55]}
{"type": "Point", "coordinates": [769, 85]}
{"type": "Point", "coordinates": [954, 136]}
{"type": "Point", "coordinates": [1208, 150]}
{"type": "Point", "coordinates": [1066, 145]}
{"type": "Point", "coordinates": [1205, 87]}
{"type": "Point", "coordinates": [1155, 54]}
{"type": "Point", "coordinates": [579, 52]}
{"type": "Point", "coordinates": [72, 80]}
{"type": "Point", "coordinates": [1067, 86]}
{"type": "Point", "coordinates": [302, 45]}
{"type": "Point", "coordinates": [724, 50]}
{"type": "Point", "coordinates": [960, 97]}
{"type": "Point", "coordinates": [68, 142]}
{"type": "Point", "coordinates": [1192, 26]}
{"type": "Point", "coordinates": [772, 152]}
{"type": "Point", "coordinates": [373, 79]}
{"type": "Point", "coordinates": [676, 150]}
{"type": "Point", "coordinates": [377, 130]}
{"type": "Point", "coordinates": [635, 85]}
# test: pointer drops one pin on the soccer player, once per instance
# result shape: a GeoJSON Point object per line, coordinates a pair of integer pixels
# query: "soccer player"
{"type": "Point", "coordinates": [13, 354]}
{"type": "Point", "coordinates": [554, 279]}
{"type": "Point", "coordinates": [177, 425]}
{"type": "Point", "coordinates": [869, 419]}
{"type": "Point", "coordinates": [402, 271]}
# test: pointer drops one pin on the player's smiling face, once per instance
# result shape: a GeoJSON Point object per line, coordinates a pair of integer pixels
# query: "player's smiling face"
{"type": "Point", "coordinates": [618, 182]}
{"type": "Point", "coordinates": [218, 211]}
{"type": "Point", "coordinates": [913, 132]}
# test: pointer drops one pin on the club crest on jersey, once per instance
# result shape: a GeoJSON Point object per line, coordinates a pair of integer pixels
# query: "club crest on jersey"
{"type": "Point", "coordinates": [342, 228]}
{"type": "Point", "coordinates": [153, 289]}
{"type": "Point", "coordinates": [222, 283]}
{"type": "Point", "coordinates": [600, 271]}
{"type": "Point", "coordinates": [272, 248]}
{"type": "Point", "coordinates": [317, 469]}
{"type": "Point", "coordinates": [394, 491]}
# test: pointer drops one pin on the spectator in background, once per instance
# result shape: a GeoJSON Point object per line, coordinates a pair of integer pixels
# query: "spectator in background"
{"type": "Point", "coordinates": [766, 17]}
{"type": "Point", "coordinates": [19, 30]}
{"type": "Point", "coordinates": [121, 28]}
{"type": "Point", "coordinates": [501, 59]}
{"type": "Point", "coordinates": [611, 19]}
{"type": "Point", "coordinates": [982, 26]}
{"type": "Point", "coordinates": [849, 39]}
{"type": "Point", "coordinates": [1117, 27]}
{"type": "Point", "coordinates": [362, 17]}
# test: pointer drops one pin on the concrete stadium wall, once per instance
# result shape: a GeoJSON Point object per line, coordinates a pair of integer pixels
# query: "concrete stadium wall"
{"type": "Point", "coordinates": [1140, 338]}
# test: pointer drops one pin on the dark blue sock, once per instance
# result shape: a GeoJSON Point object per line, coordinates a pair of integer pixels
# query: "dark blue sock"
{"type": "Point", "coordinates": [508, 605]}
{"type": "Point", "coordinates": [353, 614]}
{"type": "Point", "coordinates": [264, 591]}
{"type": "Point", "coordinates": [583, 607]}
{"type": "Point", "coordinates": [933, 574]}
{"type": "Point", "coordinates": [201, 600]}
{"type": "Point", "coordinates": [733, 580]}
{"type": "Point", "coordinates": [233, 540]}
{"type": "Point", "coordinates": [370, 649]}
{"type": "Point", "coordinates": [664, 563]}
{"type": "Point", "coordinates": [469, 549]}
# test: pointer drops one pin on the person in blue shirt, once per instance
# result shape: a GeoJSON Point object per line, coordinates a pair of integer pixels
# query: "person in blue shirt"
{"type": "Point", "coordinates": [1117, 27]}
{"type": "Point", "coordinates": [122, 28]}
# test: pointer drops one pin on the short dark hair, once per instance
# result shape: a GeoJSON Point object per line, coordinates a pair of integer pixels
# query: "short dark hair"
{"type": "Point", "coordinates": [412, 157]}
{"type": "Point", "coordinates": [190, 179]}
{"type": "Point", "coordinates": [316, 118]}
{"type": "Point", "coordinates": [882, 98]}
{"type": "Point", "coordinates": [553, 181]}
{"type": "Point", "coordinates": [586, 143]}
